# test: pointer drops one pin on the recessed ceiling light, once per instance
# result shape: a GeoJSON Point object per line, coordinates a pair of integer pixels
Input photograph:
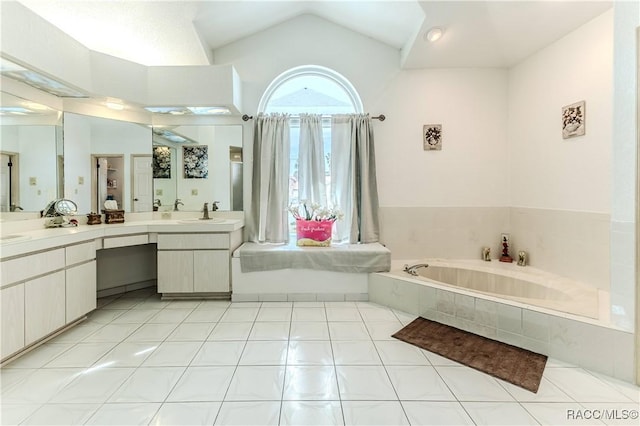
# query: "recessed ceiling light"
{"type": "Point", "coordinates": [181, 110]}
{"type": "Point", "coordinates": [172, 136]}
{"type": "Point", "coordinates": [434, 34]}
{"type": "Point", "coordinates": [11, 110]}
{"type": "Point", "coordinates": [37, 80]}
{"type": "Point", "coordinates": [114, 105]}
{"type": "Point", "coordinates": [36, 106]}
{"type": "Point", "coordinates": [209, 110]}
{"type": "Point", "coordinates": [167, 110]}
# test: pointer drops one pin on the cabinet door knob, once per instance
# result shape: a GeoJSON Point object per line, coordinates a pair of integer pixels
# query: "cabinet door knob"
{"type": "Point", "coordinates": [135, 199]}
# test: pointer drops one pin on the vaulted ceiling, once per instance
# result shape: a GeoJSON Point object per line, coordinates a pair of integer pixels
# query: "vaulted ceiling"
{"type": "Point", "coordinates": [476, 33]}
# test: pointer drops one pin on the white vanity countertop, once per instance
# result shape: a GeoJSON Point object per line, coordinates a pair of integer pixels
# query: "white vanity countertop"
{"type": "Point", "coordinates": [34, 240]}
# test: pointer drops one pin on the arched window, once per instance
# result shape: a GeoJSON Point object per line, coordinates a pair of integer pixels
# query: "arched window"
{"type": "Point", "coordinates": [314, 90]}
{"type": "Point", "coordinates": [310, 89]}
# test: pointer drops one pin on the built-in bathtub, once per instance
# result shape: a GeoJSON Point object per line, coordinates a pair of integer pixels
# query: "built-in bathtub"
{"type": "Point", "coordinates": [527, 286]}
{"type": "Point", "coordinates": [522, 306]}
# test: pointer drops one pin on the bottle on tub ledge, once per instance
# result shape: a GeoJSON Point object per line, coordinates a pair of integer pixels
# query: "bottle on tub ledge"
{"type": "Point", "coordinates": [522, 258]}
{"type": "Point", "coordinates": [486, 254]}
{"type": "Point", "coordinates": [505, 249]}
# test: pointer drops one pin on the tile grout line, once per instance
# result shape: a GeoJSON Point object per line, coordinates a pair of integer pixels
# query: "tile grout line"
{"type": "Point", "coordinates": [102, 404]}
{"type": "Point", "coordinates": [286, 364]}
{"type": "Point", "coordinates": [333, 361]}
{"type": "Point", "coordinates": [226, 392]}
{"type": "Point", "coordinates": [384, 366]}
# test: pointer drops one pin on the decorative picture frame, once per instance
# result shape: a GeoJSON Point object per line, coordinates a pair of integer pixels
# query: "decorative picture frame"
{"type": "Point", "coordinates": [196, 162]}
{"type": "Point", "coordinates": [161, 162]}
{"type": "Point", "coordinates": [432, 137]}
{"type": "Point", "coordinates": [573, 120]}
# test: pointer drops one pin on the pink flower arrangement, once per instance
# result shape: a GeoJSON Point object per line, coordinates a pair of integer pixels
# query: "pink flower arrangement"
{"type": "Point", "coordinates": [314, 223]}
{"type": "Point", "coordinates": [313, 211]}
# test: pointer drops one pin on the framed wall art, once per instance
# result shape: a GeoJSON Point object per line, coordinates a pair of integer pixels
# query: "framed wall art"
{"type": "Point", "coordinates": [195, 159]}
{"type": "Point", "coordinates": [432, 137]}
{"type": "Point", "coordinates": [161, 162]}
{"type": "Point", "coordinates": [573, 120]}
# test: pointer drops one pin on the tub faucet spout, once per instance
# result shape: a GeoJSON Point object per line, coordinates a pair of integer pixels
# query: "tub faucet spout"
{"type": "Point", "coordinates": [413, 269]}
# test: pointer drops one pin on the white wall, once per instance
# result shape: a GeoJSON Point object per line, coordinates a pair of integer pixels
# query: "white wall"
{"type": "Point", "coordinates": [84, 136]}
{"type": "Point", "coordinates": [36, 149]}
{"type": "Point", "coordinates": [260, 58]}
{"type": "Point", "coordinates": [625, 168]}
{"type": "Point", "coordinates": [77, 161]}
{"type": "Point", "coordinates": [217, 187]}
{"type": "Point", "coordinates": [560, 189]}
{"type": "Point", "coordinates": [547, 171]}
{"type": "Point", "coordinates": [471, 170]}
{"type": "Point", "coordinates": [119, 137]}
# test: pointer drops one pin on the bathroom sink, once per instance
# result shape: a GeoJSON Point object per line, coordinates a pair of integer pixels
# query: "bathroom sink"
{"type": "Point", "coordinates": [202, 221]}
{"type": "Point", "coordinates": [14, 238]}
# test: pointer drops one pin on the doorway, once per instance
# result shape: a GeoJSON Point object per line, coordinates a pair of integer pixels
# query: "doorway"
{"type": "Point", "coordinates": [141, 183]}
{"type": "Point", "coordinates": [9, 183]}
{"type": "Point", "coordinates": [107, 182]}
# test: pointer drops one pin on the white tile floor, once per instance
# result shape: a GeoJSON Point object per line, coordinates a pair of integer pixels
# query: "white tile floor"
{"type": "Point", "coordinates": [140, 360]}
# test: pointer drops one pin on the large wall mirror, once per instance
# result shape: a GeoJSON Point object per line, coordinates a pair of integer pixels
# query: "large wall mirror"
{"type": "Point", "coordinates": [197, 164]}
{"type": "Point", "coordinates": [107, 159]}
{"type": "Point", "coordinates": [32, 157]}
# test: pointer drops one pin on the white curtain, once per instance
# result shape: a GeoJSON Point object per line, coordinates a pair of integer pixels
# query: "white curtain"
{"type": "Point", "coordinates": [353, 178]}
{"type": "Point", "coordinates": [269, 199]}
{"type": "Point", "coordinates": [311, 169]}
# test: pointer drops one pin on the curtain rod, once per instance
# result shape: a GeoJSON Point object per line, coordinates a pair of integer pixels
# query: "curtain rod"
{"type": "Point", "coordinates": [380, 117]}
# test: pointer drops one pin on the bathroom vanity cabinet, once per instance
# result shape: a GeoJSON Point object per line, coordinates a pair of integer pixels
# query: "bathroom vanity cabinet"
{"type": "Point", "coordinates": [80, 280]}
{"type": "Point", "coordinates": [196, 264]}
{"type": "Point", "coordinates": [48, 280]}
{"type": "Point", "coordinates": [43, 292]}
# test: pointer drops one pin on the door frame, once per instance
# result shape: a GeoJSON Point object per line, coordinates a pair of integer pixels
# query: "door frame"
{"type": "Point", "coordinates": [14, 157]}
{"type": "Point", "coordinates": [133, 179]}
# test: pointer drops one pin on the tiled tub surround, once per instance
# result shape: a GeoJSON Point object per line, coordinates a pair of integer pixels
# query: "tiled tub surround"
{"type": "Point", "coordinates": [569, 243]}
{"type": "Point", "coordinates": [585, 246]}
{"type": "Point", "coordinates": [587, 342]}
{"type": "Point", "coordinates": [530, 286]}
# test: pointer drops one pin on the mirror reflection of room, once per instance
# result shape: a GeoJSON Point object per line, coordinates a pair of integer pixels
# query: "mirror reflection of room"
{"type": "Point", "coordinates": [30, 155]}
{"type": "Point", "coordinates": [123, 152]}
{"type": "Point", "coordinates": [199, 164]}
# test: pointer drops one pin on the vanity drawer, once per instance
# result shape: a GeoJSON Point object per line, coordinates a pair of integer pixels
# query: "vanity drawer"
{"type": "Point", "coordinates": [130, 240]}
{"type": "Point", "coordinates": [25, 267]}
{"type": "Point", "coordinates": [80, 253]}
{"type": "Point", "coordinates": [193, 241]}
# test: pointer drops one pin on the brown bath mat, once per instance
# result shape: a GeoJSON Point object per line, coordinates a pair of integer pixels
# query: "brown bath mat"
{"type": "Point", "coordinates": [515, 365]}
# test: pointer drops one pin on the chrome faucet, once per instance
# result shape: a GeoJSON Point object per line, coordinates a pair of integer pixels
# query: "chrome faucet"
{"type": "Point", "coordinates": [205, 212]}
{"type": "Point", "coordinates": [413, 269]}
{"type": "Point", "coordinates": [14, 208]}
{"type": "Point", "coordinates": [177, 203]}
{"type": "Point", "coordinates": [214, 206]}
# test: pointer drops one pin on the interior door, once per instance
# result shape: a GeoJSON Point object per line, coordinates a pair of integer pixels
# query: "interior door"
{"type": "Point", "coordinates": [4, 183]}
{"type": "Point", "coordinates": [142, 183]}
